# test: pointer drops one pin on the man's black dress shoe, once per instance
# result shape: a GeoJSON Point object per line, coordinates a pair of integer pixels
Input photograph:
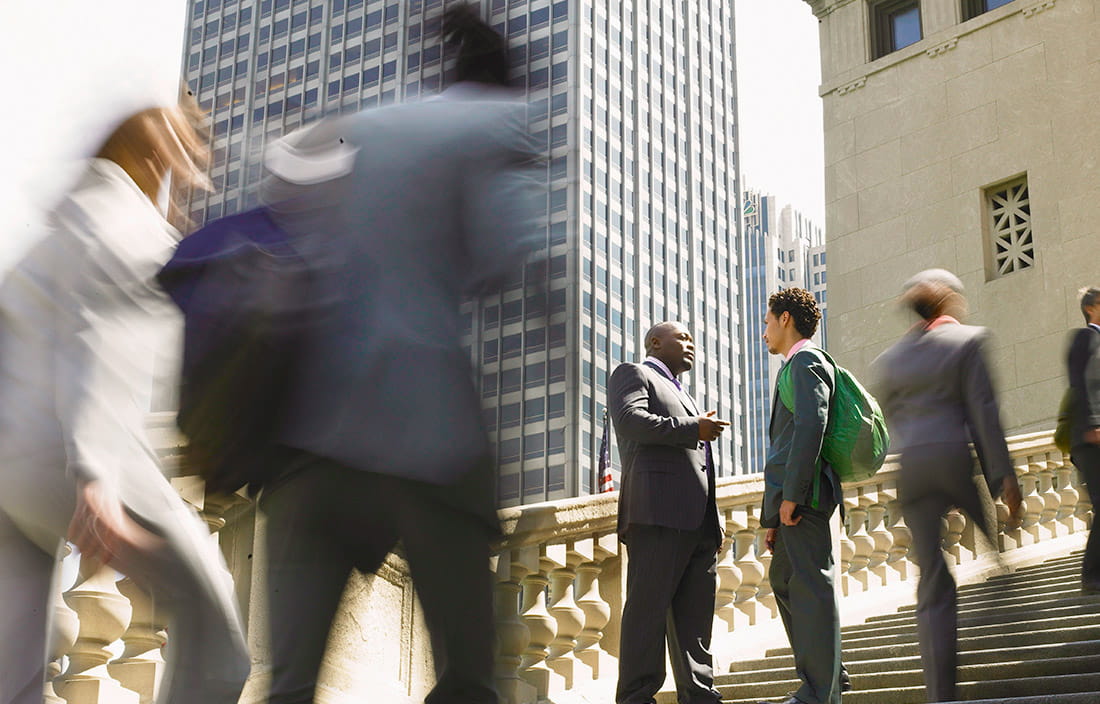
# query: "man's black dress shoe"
{"type": "Point", "coordinates": [845, 680]}
{"type": "Point", "coordinates": [792, 700]}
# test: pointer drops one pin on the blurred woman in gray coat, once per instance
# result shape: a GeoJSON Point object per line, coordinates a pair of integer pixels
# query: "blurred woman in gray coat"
{"type": "Point", "coordinates": [935, 389]}
{"type": "Point", "coordinates": [82, 323]}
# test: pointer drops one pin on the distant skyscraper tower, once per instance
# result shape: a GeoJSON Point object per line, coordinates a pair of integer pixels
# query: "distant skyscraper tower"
{"type": "Point", "coordinates": [635, 103]}
{"type": "Point", "coordinates": [782, 249]}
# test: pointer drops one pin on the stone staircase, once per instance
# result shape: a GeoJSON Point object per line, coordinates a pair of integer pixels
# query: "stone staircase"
{"type": "Point", "coordinates": [1027, 637]}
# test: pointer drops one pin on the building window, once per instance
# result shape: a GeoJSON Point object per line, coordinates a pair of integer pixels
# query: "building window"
{"type": "Point", "coordinates": [973, 8]}
{"type": "Point", "coordinates": [895, 24]}
{"type": "Point", "coordinates": [1009, 243]}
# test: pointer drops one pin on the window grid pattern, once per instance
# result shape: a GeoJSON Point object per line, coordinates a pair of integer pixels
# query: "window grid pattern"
{"type": "Point", "coordinates": [633, 102]}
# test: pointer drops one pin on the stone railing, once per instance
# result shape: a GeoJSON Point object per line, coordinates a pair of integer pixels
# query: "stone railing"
{"type": "Point", "coordinates": [560, 570]}
{"type": "Point", "coordinates": [560, 586]}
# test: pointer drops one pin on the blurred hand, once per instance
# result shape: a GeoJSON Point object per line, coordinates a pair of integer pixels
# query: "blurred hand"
{"type": "Point", "coordinates": [1092, 436]}
{"type": "Point", "coordinates": [710, 427]}
{"type": "Point", "coordinates": [1010, 494]}
{"type": "Point", "coordinates": [103, 531]}
{"type": "Point", "coordinates": [769, 539]}
{"type": "Point", "coordinates": [786, 513]}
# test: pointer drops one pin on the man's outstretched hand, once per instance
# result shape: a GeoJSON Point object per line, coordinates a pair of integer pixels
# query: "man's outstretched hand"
{"type": "Point", "coordinates": [710, 427]}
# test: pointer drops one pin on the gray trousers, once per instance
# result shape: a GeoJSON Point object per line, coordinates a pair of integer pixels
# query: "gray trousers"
{"type": "Point", "coordinates": [207, 661]}
{"type": "Point", "coordinates": [802, 577]}
{"type": "Point", "coordinates": [933, 480]}
{"type": "Point", "coordinates": [670, 582]}
{"type": "Point", "coordinates": [323, 521]}
{"type": "Point", "coordinates": [1087, 460]}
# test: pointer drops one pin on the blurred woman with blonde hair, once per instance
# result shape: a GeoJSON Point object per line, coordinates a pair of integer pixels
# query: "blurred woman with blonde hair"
{"type": "Point", "coordinates": [82, 326]}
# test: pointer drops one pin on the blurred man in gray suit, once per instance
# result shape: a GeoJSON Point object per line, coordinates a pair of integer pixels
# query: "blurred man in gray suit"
{"type": "Point", "coordinates": [1083, 366]}
{"type": "Point", "coordinates": [402, 210]}
{"type": "Point", "coordinates": [801, 492]}
{"type": "Point", "coordinates": [668, 521]}
{"type": "Point", "coordinates": [936, 390]}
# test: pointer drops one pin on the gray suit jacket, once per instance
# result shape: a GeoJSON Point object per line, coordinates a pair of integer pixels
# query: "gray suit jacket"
{"type": "Point", "coordinates": [438, 200]}
{"type": "Point", "coordinates": [1083, 366]}
{"type": "Point", "coordinates": [934, 387]}
{"type": "Point", "coordinates": [665, 481]}
{"type": "Point", "coordinates": [794, 470]}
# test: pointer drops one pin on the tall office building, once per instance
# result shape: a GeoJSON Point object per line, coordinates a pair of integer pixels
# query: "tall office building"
{"type": "Point", "coordinates": [634, 102]}
{"type": "Point", "coordinates": [782, 248]}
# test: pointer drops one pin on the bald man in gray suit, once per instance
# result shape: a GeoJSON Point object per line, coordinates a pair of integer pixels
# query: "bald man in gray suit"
{"type": "Point", "coordinates": [668, 520]}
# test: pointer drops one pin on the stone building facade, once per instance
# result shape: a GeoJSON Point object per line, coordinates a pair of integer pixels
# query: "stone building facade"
{"type": "Point", "coordinates": [963, 134]}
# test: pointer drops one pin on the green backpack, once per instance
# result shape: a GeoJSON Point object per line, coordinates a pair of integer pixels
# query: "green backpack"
{"type": "Point", "coordinates": [856, 440]}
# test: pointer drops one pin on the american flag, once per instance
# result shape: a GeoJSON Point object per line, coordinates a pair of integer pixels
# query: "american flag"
{"type": "Point", "coordinates": [606, 482]}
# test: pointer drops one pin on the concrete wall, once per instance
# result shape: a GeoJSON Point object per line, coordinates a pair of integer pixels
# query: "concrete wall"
{"type": "Point", "coordinates": [914, 137]}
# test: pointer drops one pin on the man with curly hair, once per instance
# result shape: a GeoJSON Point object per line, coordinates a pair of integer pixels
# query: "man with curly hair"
{"type": "Point", "coordinates": [801, 492]}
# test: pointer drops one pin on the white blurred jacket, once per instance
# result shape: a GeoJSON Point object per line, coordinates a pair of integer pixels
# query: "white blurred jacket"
{"type": "Point", "coordinates": [82, 324]}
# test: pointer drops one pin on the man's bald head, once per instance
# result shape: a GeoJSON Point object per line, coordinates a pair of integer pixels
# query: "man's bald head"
{"type": "Point", "coordinates": [671, 343]}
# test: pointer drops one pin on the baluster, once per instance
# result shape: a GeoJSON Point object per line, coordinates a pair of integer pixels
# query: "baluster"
{"type": "Point", "coordinates": [541, 627]}
{"type": "Point", "coordinates": [954, 523]}
{"type": "Point", "coordinates": [862, 542]}
{"type": "Point", "coordinates": [65, 627]}
{"type": "Point", "coordinates": [512, 633]}
{"type": "Point", "coordinates": [1033, 502]}
{"type": "Point", "coordinates": [882, 540]}
{"type": "Point", "coordinates": [1051, 500]}
{"type": "Point", "coordinates": [899, 560]}
{"type": "Point", "coordinates": [141, 665]}
{"type": "Point", "coordinates": [1069, 497]}
{"type": "Point", "coordinates": [104, 615]}
{"type": "Point", "coordinates": [729, 575]}
{"type": "Point", "coordinates": [569, 616]}
{"type": "Point", "coordinates": [847, 547]}
{"type": "Point", "coordinates": [597, 611]}
{"type": "Point", "coordinates": [754, 592]}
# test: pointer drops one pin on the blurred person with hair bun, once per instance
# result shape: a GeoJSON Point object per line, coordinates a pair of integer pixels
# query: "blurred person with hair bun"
{"type": "Point", "coordinates": [936, 391]}
{"type": "Point", "coordinates": [82, 326]}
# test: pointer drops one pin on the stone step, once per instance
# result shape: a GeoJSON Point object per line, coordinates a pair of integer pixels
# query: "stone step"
{"type": "Point", "coordinates": [1005, 691]}
{"type": "Point", "coordinates": [1071, 578]}
{"type": "Point", "coordinates": [893, 648]}
{"type": "Point", "coordinates": [907, 622]}
{"type": "Point", "coordinates": [1034, 622]}
{"type": "Point", "coordinates": [1076, 600]}
{"type": "Point", "coordinates": [776, 683]}
{"type": "Point", "coordinates": [1015, 598]}
{"type": "Point", "coordinates": [912, 660]}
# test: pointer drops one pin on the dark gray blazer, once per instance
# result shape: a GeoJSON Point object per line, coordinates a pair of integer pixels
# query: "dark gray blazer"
{"type": "Point", "coordinates": [934, 387]}
{"type": "Point", "coordinates": [794, 470]}
{"type": "Point", "coordinates": [440, 199]}
{"type": "Point", "coordinates": [665, 481]}
{"type": "Point", "coordinates": [1083, 365]}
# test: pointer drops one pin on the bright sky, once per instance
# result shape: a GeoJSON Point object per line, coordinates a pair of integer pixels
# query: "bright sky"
{"type": "Point", "coordinates": [778, 73]}
{"type": "Point", "coordinates": [80, 64]}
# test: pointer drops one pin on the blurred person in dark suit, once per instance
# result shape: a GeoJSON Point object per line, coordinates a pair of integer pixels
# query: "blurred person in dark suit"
{"type": "Point", "coordinates": [668, 521]}
{"type": "Point", "coordinates": [1083, 367]}
{"type": "Point", "coordinates": [937, 394]}
{"type": "Point", "coordinates": [82, 324]}
{"type": "Point", "coordinates": [403, 209]}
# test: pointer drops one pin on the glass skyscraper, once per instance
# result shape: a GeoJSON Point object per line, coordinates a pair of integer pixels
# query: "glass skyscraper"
{"type": "Point", "coordinates": [635, 104]}
{"type": "Point", "coordinates": [781, 248]}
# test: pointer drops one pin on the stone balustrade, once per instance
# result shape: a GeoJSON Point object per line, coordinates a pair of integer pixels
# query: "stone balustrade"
{"type": "Point", "coordinates": [561, 577]}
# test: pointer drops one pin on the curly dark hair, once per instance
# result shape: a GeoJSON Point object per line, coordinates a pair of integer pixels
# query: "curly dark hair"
{"type": "Point", "coordinates": [801, 305]}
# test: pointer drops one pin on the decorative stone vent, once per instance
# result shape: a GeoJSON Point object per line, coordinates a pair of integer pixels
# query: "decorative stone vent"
{"type": "Point", "coordinates": [1010, 244]}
